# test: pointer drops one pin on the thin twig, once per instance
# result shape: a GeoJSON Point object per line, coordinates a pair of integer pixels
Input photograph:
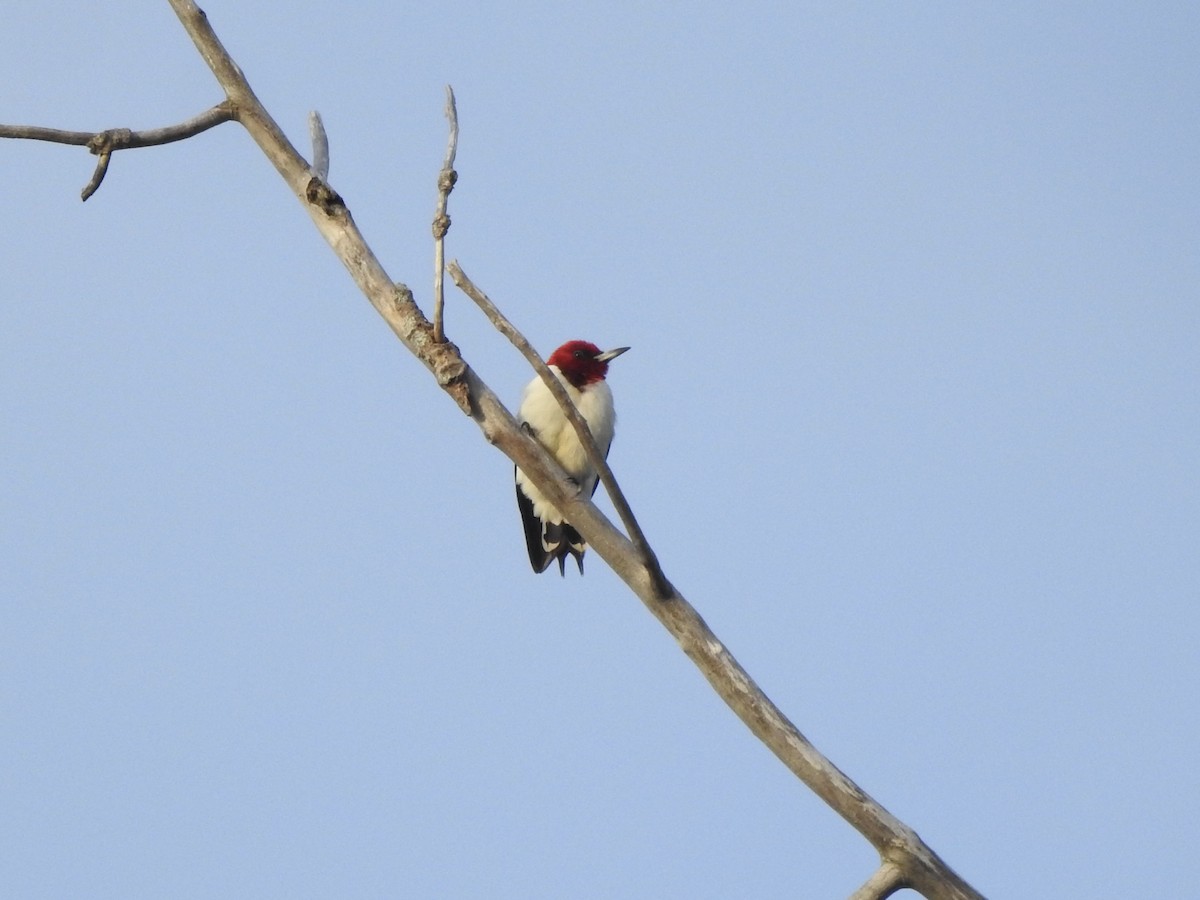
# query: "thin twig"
{"type": "Point", "coordinates": [441, 220]}
{"type": "Point", "coordinates": [595, 457]}
{"type": "Point", "coordinates": [104, 143]}
{"type": "Point", "coordinates": [97, 176]}
{"type": "Point", "coordinates": [320, 145]}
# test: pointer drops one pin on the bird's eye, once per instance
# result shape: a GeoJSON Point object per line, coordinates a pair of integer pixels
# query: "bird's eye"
{"type": "Point", "coordinates": [579, 354]}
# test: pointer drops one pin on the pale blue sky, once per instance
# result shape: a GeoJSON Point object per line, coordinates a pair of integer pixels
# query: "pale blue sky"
{"type": "Point", "coordinates": [911, 416]}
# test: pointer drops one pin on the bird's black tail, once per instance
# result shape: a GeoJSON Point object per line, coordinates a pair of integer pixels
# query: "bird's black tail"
{"type": "Point", "coordinates": [549, 541]}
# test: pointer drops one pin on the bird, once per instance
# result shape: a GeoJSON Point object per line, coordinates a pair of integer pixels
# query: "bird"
{"type": "Point", "coordinates": [581, 368]}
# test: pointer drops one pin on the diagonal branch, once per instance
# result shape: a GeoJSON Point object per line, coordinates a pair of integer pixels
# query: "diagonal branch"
{"type": "Point", "coordinates": [595, 457]}
{"type": "Point", "coordinates": [104, 143]}
{"type": "Point", "coordinates": [896, 843]}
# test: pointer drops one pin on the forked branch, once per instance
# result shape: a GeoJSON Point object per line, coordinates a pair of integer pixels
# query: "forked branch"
{"type": "Point", "coordinates": [104, 143]}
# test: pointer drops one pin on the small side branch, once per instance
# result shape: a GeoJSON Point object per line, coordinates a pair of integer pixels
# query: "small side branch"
{"type": "Point", "coordinates": [104, 143]}
{"type": "Point", "coordinates": [441, 220]}
{"type": "Point", "coordinates": [885, 881]}
{"type": "Point", "coordinates": [320, 145]}
{"type": "Point", "coordinates": [510, 331]}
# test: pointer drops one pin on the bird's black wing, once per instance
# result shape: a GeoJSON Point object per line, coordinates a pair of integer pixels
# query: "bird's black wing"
{"type": "Point", "coordinates": [539, 556]}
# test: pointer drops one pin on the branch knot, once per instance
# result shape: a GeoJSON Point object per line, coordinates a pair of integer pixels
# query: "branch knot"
{"type": "Point", "coordinates": [320, 194]}
{"type": "Point", "coordinates": [105, 142]}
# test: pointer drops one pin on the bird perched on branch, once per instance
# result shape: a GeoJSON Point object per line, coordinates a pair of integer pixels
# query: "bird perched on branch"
{"type": "Point", "coordinates": [581, 368]}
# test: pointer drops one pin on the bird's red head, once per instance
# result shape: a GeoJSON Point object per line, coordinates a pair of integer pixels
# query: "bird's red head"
{"type": "Point", "coordinates": [583, 363]}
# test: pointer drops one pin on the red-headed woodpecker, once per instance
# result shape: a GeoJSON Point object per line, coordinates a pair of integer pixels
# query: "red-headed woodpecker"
{"type": "Point", "coordinates": [581, 368]}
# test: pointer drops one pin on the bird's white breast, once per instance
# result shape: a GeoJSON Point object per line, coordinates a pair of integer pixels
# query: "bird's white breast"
{"type": "Point", "coordinates": [543, 414]}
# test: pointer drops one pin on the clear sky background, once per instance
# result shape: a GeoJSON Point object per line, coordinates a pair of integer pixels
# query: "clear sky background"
{"type": "Point", "coordinates": [911, 416]}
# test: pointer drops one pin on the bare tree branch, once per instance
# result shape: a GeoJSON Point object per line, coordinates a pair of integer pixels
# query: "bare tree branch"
{"type": "Point", "coordinates": [104, 143]}
{"type": "Point", "coordinates": [441, 220]}
{"type": "Point", "coordinates": [906, 859]}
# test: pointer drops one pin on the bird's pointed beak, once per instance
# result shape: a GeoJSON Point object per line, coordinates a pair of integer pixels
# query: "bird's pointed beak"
{"type": "Point", "coordinates": [610, 355]}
